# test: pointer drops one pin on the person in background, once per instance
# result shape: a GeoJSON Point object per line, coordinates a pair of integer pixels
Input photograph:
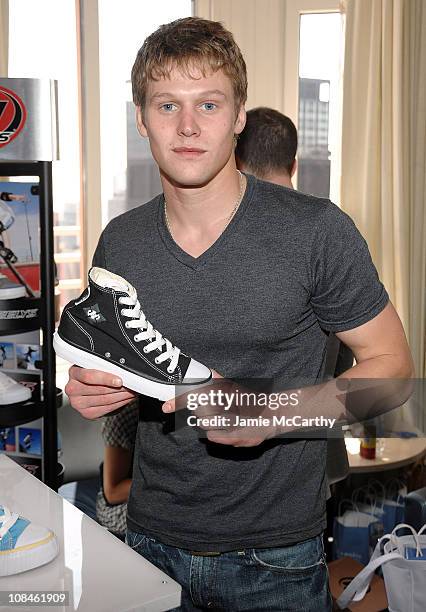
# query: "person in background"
{"type": "Point", "coordinates": [104, 498]}
{"type": "Point", "coordinates": [267, 146]}
{"type": "Point", "coordinates": [119, 434]}
{"type": "Point", "coordinates": [3, 355]}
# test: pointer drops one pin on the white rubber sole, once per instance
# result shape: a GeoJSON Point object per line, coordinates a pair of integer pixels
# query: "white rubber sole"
{"type": "Point", "coordinates": [12, 293]}
{"type": "Point", "coordinates": [132, 381]}
{"type": "Point", "coordinates": [16, 397]}
{"type": "Point", "coordinates": [24, 558]}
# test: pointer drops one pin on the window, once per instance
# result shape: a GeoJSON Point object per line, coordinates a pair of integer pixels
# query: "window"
{"type": "Point", "coordinates": [313, 74]}
{"type": "Point", "coordinates": [129, 174]}
{"type": "Point", "coordinates": [319, 95]}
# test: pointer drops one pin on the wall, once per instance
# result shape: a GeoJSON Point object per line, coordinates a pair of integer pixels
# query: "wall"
{"type": "Point", "coordinates": [258, 27]}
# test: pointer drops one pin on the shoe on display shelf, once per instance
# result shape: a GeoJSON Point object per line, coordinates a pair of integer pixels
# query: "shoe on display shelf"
{"type": "Point", "coordinates": [24, 545]}
{"type": "Point", "coordinates": [105, 329]}
{"type": "Point", "coordinates": [12, 392]}
{"type": "Point", "coordinates": [10, 290]}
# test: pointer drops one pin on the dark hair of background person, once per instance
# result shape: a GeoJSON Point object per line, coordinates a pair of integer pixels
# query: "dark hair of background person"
{"type": "Point", "coordinates": [268, 143]}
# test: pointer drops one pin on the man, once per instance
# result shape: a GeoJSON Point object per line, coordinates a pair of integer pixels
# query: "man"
{"type": "Point", "coordinates": [267, 146]}
{"type": "Point", "coordinates": [247, 286]}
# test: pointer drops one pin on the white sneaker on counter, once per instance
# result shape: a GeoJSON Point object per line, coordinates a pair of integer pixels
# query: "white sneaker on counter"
{"type": "Point", "coordinates": [23, 545]}
{"type": "Point", "coordinates": [12, 392]}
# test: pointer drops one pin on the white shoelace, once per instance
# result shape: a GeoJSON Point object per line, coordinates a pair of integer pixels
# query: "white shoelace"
{"type": "Point", "coordinates": [149, 333]}
{"type": "Point", "coordinates": [7, 520]}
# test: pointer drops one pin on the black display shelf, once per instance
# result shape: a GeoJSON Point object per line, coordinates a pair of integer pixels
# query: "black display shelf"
{"type": "Point", "coordinates": [19, 315]}
{"type": "Point", "coordinates": [46, 313]}
{"type": "Point", "coordinates": [12, 415]}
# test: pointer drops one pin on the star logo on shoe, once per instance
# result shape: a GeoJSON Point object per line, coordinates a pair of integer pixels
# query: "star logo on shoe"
{"type": "Point", "coordinates": [94, 314]}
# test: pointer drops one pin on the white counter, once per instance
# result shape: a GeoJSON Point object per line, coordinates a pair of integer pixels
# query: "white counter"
{"type": "Point", "coordinates": [101, 573]}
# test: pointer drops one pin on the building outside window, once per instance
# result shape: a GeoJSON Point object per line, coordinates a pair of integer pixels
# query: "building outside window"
{"type": "Point", "coordinates": [320, 57]}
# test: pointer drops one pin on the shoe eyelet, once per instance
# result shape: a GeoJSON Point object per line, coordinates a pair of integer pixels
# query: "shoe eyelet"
{"type": "Point", "coordinates": [122, 312]}
{"type": "Point", "coordinates": [156, 360]}
{"type": "Point", "coordinates": [108, 355]}
{"type": "Point", "coordinates": [170, 371]}
{"type": "Point", "coordinates": [144, 349]}
{"type": "Point", "coordinates": [126, 325]}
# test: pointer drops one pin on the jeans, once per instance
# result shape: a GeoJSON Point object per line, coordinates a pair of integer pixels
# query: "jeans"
{"type": "Point", "coordinates": [260, 579]}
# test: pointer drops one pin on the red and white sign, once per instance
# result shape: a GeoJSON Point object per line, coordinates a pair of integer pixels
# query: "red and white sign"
{"type": "Point", "coordinates": [13, 115]}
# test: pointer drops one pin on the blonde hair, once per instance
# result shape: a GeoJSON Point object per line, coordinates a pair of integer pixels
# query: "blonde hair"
{"type": "Point", "coordinates": [188, 44]}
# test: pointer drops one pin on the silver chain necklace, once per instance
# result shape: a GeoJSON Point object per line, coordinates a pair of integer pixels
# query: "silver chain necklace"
{"type": "Point", "coordinates": [231, 216]}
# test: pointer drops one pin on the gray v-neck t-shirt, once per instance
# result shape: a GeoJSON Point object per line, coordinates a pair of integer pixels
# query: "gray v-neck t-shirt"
{"type": "Point", "coordinates": [259, 303]}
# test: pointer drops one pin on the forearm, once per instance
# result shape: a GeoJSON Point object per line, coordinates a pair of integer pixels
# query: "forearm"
{"type": "Point", "coordinates": [365, 391]}
{"type": "Point", "coordinates": [118, 493]}
{"type": "Point", "coordinates": [116, 470]}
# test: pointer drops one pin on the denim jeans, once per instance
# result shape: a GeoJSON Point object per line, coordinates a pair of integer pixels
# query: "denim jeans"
{"type": "Point", "coordinates": [262, 579]}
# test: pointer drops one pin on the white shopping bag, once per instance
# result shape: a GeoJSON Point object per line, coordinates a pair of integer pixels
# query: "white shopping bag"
{"type": "Point", "coordinates": [403, 561]}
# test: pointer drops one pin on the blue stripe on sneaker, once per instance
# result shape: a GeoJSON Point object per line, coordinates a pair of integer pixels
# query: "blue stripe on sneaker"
{"type": "Point", "coordinates": [8, 541]}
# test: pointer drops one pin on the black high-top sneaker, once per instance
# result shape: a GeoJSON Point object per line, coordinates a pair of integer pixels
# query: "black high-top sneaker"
{"type": "Point", "coordinates": [105, 329]}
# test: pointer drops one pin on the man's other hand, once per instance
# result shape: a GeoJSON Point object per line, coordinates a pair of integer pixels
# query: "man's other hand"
{"type": "Point", "coordinates": [232, 435]}
{"type": "Point", "coordinates": [94, 393]}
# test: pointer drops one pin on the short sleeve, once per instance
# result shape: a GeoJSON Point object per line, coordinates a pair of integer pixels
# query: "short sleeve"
{"type": "Point", "coordinates": [99, 260]}
{"type": "Point", "coordinates": [120, 429]}
{"type": "Point", "coordinates": [346, 289]}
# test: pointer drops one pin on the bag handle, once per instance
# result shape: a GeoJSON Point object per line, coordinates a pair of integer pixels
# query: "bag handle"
{"type": "Point", "coordinates": [396, 541]}
{"type": "Point", "coordinates": [373, 504]}
{"type": "Point", "coordinates": [347, 501]}
{"type": "Point", "coordinates": [355, 494]}
{"type": "Point", "coordinates": [394, 485]}
{"type": "Point", "coordinates": [399, 500]}
{"type": "Point", "coordinates": [376, 483]}
{"type": "Point", "coordinates": [357, 589]}
{"type": "Point", "coordinates": [404, 526]}
{"type": "Point", "coordinates": [368, 499]}
{"type": "Point", "coordinates": [380, 495]}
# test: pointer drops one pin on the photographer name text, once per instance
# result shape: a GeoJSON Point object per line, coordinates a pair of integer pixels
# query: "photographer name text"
{"type": "Point", "coordinates": [221, 421]}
